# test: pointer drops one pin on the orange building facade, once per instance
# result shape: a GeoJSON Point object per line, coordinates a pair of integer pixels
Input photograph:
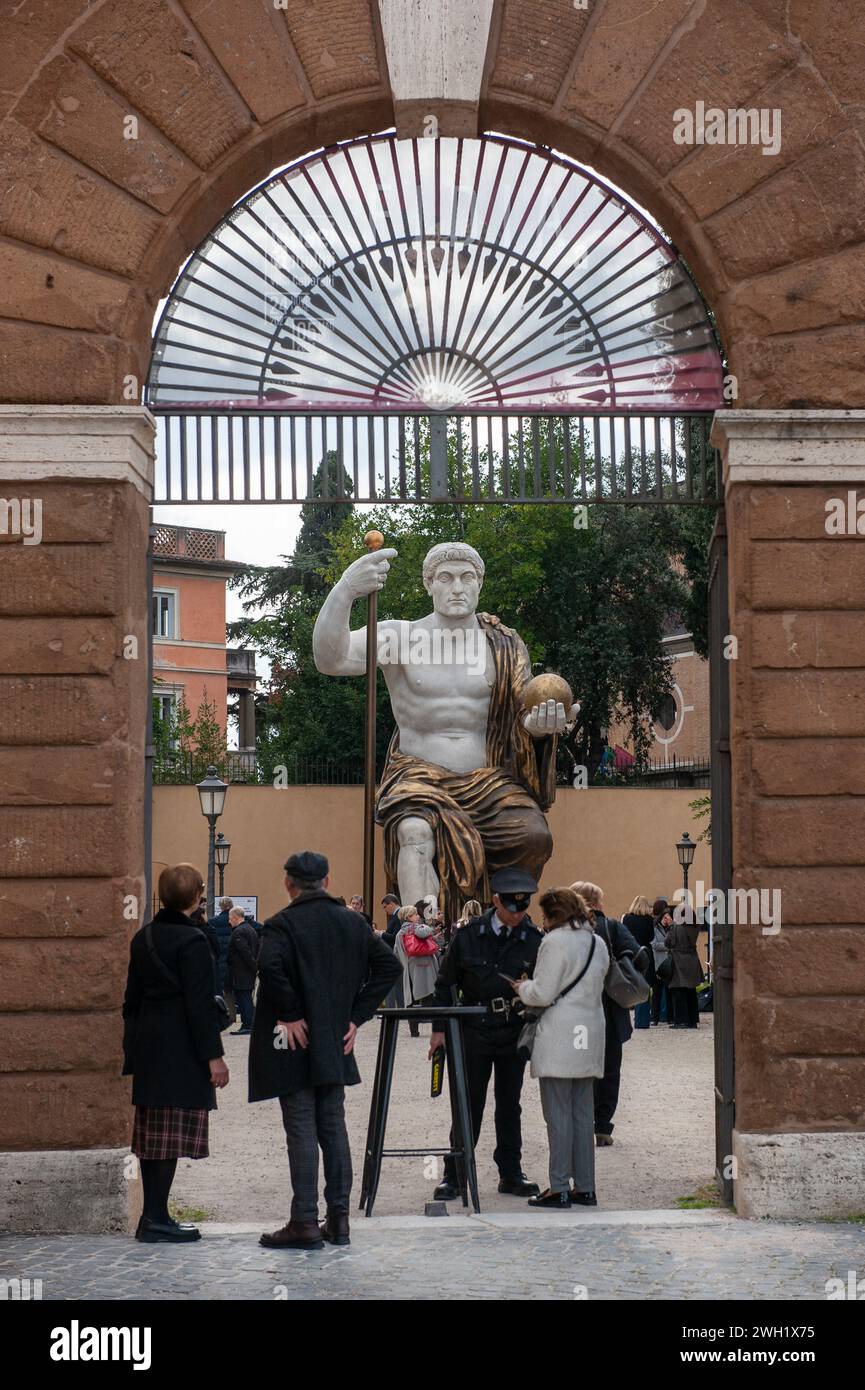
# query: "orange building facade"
{"type": "Point", "coordinates": [681, 731]}
{"type": "Point", "coordinates": [191, 660]}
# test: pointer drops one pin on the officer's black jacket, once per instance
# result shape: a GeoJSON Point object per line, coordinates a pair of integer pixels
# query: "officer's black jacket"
{"type": "Point", "coordinates": [469, 973]}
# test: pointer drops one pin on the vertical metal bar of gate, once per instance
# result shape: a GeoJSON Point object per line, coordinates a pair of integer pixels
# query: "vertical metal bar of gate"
{"type": "Point", "coordinates": [149, 749]}
{"type": "Point", "coordinates": [722, 857]}
{"type": "Point", "coordinates": [438, 458]}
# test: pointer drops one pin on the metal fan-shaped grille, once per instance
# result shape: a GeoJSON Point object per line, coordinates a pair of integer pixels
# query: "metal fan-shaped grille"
{"type": "Point", "coordinates": [465, 275]}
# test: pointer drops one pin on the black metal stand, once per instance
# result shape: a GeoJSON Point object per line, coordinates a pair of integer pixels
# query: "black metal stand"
{"type": "Point", "coordinates": [448, 1021]}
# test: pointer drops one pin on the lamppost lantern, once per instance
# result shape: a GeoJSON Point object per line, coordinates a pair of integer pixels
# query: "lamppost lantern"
{"type": "Point", "coordinates": [211, 794]}
{"type": "Point", "coordinates": [221, 851]}
{"type": "Point", "coordinates": [685, 849]}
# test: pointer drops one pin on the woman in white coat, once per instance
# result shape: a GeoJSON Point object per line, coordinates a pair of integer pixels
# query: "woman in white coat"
{"type": "Point", "coordinates": [568, 1048]}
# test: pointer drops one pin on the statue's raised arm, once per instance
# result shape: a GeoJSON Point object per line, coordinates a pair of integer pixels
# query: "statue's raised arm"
{"type": "Point", "coordinates": [337, 650]}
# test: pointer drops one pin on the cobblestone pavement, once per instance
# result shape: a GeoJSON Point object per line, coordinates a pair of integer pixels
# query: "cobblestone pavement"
{"type": "Point", "coordinates": [656, 1255]}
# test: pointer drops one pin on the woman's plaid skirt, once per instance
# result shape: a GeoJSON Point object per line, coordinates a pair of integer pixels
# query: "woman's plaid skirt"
{"type": "Point", "coordinates": [163, 1131]}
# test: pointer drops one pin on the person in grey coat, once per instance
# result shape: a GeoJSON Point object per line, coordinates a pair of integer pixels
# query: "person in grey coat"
{"type": "Point", "coordinates": [687, 973]}
{"type": "Point", "coordinates": [569, 1043]}
{"type": "Point", "coordinates": [321, 974]}
{"type": "Point", "coordinates": [419, 972]}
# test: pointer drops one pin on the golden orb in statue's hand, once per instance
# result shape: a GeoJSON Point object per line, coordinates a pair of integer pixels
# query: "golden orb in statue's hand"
{"type": "Point", "coordinates": [547, 686]}
{"type": "Point", "coordinates": [373, 540]}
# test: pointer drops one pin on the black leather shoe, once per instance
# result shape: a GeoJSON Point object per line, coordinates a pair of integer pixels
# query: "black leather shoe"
{"type": "Point", "coordinates": [169, 1232]}
{"type": "Point", "coordinates": [519, 1186]}
{"type": "Point", "coordinates": [583, 1199]}
{"type": "Point", "coordinates": [557, 1201]}
{"type": "Point", "coordinates": [446, 1192]}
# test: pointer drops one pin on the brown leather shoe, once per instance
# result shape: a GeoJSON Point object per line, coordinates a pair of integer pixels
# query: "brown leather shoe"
{"type": "Point", "coordinates": [335, 1228]}
{"type": "Point", "coordinates": [297, 1235]}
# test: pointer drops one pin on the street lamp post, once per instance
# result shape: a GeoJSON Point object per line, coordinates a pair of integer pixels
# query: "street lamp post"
{"type": "Point", "coordinates": [211, 794]}
{"type": "Point", "coordinates": [221, 851]}
{"type": "Point", "coordinates": [685, 850]}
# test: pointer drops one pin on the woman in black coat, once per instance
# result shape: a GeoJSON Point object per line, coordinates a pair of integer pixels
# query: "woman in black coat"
{"type": "Point", "coordinates": [640, 923]}
{"type": "Point", "coordinates": [172, 1047]}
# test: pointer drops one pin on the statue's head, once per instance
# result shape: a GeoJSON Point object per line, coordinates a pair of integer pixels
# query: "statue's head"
{"type": "Point", "coordinates": [452, 575]}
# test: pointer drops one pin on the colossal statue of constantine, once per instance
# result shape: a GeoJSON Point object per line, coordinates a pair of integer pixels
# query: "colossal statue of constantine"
{"type": "Point", "coordinates": [469, 771]}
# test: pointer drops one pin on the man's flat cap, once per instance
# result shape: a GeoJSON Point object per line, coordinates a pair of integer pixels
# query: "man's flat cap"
{"type": "Point", "coordinates": [508, 881]}
{"type": "Point", "coordinates": [307, 867]}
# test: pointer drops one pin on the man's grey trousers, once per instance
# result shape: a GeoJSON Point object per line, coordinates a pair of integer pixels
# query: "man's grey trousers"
{"type": "Point", "coordinates": [315, 1118]}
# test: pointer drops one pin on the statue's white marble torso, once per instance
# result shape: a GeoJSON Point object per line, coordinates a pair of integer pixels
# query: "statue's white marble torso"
{"type": "Point", "coordinates": [439, 672]}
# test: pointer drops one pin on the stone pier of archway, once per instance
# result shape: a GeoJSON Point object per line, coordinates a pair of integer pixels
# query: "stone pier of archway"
{"type": "Point", "coordinates": [797, 685]}
{"type": "Point", "coordinates": [73, 695]}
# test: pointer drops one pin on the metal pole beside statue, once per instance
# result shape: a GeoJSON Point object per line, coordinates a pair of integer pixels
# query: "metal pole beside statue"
{"type": "Point", "coordinates": [373, 540]}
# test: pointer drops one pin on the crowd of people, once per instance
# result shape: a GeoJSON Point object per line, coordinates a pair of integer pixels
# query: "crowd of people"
{"type": "Point", "coordinates": [557, 996]}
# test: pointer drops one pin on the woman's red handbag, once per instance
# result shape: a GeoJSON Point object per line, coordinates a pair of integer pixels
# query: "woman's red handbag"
{"type": "Point", "coordinates": [419, 945]}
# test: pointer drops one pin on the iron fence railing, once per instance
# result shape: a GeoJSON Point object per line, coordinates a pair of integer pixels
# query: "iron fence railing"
{"type": "Point", "coordinates": [206, 456]}
{"type": "Point", "coordinates": [185, 769]}
{"type": "Point", "coordinates": [658, 773]}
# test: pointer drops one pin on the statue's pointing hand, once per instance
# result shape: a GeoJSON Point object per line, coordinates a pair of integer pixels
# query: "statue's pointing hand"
{"type": "Point", "coordinates": [367, 575]}
{"type": "Point", "coordinates": [550, 718]}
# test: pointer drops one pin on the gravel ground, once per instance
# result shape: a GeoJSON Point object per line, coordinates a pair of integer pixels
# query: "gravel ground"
{"type": "Point", "coordinates": [664, 1136]}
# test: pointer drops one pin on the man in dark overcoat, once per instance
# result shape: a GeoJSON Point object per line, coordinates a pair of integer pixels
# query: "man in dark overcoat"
{"type": "Point", "coordinates": [243, 950]}
{"type": "Point", "coordinates": [620, 942]}
{"type": "Point", "coordinates": [220, 927]}
{"type": "Point", "coordinates": [322, 973]}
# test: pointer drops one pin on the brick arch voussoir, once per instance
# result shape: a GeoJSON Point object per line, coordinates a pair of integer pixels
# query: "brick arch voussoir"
{"type": "Point", "coordinates": [240, 170]}
{"type": "Point", "coordinates": [612, 159]}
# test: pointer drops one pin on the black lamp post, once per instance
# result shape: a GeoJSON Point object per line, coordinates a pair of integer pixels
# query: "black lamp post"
{"type": "Point", "coordinates": [222, 850]}
{"type": "Point", "coordinates": [685, 850]}
{"type": "Point", "coordinates": [211, 794]}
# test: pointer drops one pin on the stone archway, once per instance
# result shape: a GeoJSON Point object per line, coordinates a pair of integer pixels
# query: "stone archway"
{"type": "Point", "coordinates": [128, 131]}
{"type": "Point", "coordinates": [95, 225]}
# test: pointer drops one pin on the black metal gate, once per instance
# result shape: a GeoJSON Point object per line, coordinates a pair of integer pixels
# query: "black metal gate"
{"type": "Point", "coordinates": [722, 858]}
{"type": "Point", "coordinates": [206, 455]}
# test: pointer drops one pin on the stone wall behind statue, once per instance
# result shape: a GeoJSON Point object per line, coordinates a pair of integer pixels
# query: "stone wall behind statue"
{"type": "Point", "coordinates": [623, 839]}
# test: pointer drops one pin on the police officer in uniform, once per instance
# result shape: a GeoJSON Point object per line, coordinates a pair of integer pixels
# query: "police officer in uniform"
{"type": "Point", "coordinates": [503, 941]}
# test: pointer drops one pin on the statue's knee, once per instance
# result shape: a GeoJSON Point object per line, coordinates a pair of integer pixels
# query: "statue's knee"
{"type": "Point", "coordinates": [540, 840]}
{"type": "Point", "coordinates": [412, 832]}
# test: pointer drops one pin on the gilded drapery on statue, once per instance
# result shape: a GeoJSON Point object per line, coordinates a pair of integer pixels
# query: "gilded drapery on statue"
{"type": "Point", "coordinates": [488, 818]}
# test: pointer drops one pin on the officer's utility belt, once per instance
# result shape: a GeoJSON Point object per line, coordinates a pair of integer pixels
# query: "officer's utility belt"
{"type": "Point", "coordinates": [500, 1010]}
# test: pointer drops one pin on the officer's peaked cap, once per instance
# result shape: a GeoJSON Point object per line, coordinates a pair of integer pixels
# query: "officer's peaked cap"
{"type": "Point", "coordinates": [508, 881]}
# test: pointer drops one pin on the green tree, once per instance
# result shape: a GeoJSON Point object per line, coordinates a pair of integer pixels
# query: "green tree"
{"type": "Point", "coordinates": [186, 747]}
{"type": "Point", "coordinates": [301, 713]}
{"type": "Point", "coordinates": [592, 602]}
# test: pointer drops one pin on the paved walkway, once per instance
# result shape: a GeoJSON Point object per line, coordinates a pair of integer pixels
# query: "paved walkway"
{"type": "Point", "coordinates": [682, 1256]}
{"type": "Point", "coordinates": [664, 1139]}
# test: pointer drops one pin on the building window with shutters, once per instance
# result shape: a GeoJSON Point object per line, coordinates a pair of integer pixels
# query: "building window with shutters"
{"type": "Point", "coordinates": [164, 613]}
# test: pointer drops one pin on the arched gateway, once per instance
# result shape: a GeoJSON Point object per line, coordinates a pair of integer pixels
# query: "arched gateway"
{"type": "Point", "coordinates": [94, 227]}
